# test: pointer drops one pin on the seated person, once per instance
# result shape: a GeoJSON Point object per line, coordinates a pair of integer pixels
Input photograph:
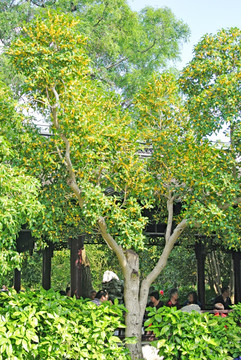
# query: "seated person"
{"type": "Point", "coordinates": [155, 300]}
{"type": "Point", "coordinates": [173, 301]}
{"type": "Point", "coordinates": [101, 296]}
{"type": "Point", "coordinates": [223, 301]}
{"type": "Point", "coordinates": [4, 288]}
{"type": "Point", "coordinates": [93, 294]}
{"type": "Point", "coordinates": [192, 299]}
{"type": "Point", "coordinates": [68, 291]}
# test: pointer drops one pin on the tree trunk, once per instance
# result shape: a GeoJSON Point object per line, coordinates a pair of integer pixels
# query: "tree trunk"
{"type": "Point", "coordinates": [86, 282]}
{"type": "Point", "coordinates": [136, 292]}
{"type": "Point", "coordinates": [134, 316]}
{"type": "Point", "coordinates": [217, 272]}
{"type": "Point", "coordinates": [80, 269]}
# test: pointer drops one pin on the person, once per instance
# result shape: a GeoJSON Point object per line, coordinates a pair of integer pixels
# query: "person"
{"type": "Point", "coordinates": [155, 300]}
{"type": "Point", "coordinates": [223, 301]}
{"type": "Point", "coordinates": [68, 291]}
{"type": "Point", "coordinates": [62, 292]}
{"type": "Point", "coordinates": [192, 303]}
{"type": "Point", "coordinates": [192, 299]}
{"type": "Point", "coordinates": [4, 288]}
{"type": "Point", "coordinates": [173, 301]}
{"type": "Point", "coordinates": [92, 294]}
{"type": "Point", "coordinates": [101, 296]}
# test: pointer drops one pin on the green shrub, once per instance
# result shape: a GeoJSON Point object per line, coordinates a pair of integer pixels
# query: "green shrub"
{"type": "Point", "coordinates": [189, 336]}
{"type": "Point", "coordinates": [45, 325]}
{"type": "Point", "coordinates": [236, 313]}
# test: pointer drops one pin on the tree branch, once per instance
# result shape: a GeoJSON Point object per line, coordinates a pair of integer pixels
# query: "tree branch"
{"type": "Point", "coordinates": [236, 201]}
{"type": "Point", "coordinates": [150, 47]}
{"type": "Point", "coordinates": [170, 217]}
{"type": "Point", "coordinates": [112, 244]}
{"type": "Point", "coordinates": [36, 4]}
{"type": "Point", "coordinates": [102, 17]}
{"type": "Point", "coordinates": [165, 254]}
{"type": "Point", "coordinates": [117, 63]}
{"type": "Point", "coordinates": [126, 58]}
{"type": "Point", "coordinates": [72, 179]}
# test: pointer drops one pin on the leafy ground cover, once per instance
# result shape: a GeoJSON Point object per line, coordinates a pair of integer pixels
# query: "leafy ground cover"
{"type": "Point", "coordinates": [188, 336]}
{"type": "Point", "coordinates": [45, 325]}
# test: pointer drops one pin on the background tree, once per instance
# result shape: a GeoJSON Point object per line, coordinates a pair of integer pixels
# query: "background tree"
{"type": "Point", "coordinates": [212, 84]}
{"type": "Point", "coordinates": [125, 46]}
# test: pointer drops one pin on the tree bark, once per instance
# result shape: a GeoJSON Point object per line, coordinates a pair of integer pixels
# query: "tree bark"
{"type": "Point", "coordinates": [80, 270]}
{"type": "Point", "coordinates": [136, 292]}
{"type": "Point", "coordinates": [134, 315]}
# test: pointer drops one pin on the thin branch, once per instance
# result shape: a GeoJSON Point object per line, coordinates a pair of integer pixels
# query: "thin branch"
{"type": "Point", "coordinates": [165, 254]}
{"type": "Point", "coordinates": [36, 4]}
{"type": "Point", "coordinates": [72, 179]}
{"type": "Point", "coordinates": [117, 63]}
{"type": "Point", "coordinates": [61, 156]}
{"type": "Point", "coordinates": [170, 217]}
{"type": "Point", "coordinates": [126, 58]}
{"type": "Point", "coordinates": [102, 17]}
{"type": "Point", "coordinates": [147, 49]}
{"type": "Point", "coordinates": [112, 244]}
{"type": "Point", "coordinates": [236, 201]}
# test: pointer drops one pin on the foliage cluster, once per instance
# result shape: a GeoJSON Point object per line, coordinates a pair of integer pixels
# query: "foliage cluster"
{"type": "Point", "coordinates": [211, 83]}
{"type": "Point", "coordinates": [19, 203]}
{"type": "Point", "coordinates": [183, 335]}
{"type": "Point", "coordinates": [45, 325]}
{"type": "Point", "coordinates": [125, 46]}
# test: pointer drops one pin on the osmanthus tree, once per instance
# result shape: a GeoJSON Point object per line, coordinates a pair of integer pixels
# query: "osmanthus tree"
{"type": "Point", "coordinates": [211, 82]}
{"type": "Point", "coordinates": [93, 154]}
{"type": "Point", "coordinates": [93, 148]}
{"type": "Point", "coordinates": [19, 204]}
{"type": "Point", "coordinates": [189, 169]}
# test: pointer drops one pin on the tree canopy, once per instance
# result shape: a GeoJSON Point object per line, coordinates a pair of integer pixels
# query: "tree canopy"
{"type": "Point", "coordinates": [92, 170]}
{"type": "Point", "coordinates": [125, 47]}
{"type": "Point", "coordinates": [211, 83]}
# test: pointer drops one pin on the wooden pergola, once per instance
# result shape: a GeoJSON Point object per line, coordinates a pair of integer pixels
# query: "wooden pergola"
{"type": "Point", "coordinates": [25, 242]}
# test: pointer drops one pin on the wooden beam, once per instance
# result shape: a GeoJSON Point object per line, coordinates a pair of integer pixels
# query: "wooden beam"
{"type": "Point", "coordinates": [46, 269]}
{"type": "Point", "coordinates": [17, 280]}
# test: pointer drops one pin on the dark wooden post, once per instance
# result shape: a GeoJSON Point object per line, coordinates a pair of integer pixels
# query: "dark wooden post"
{"type": "Point", "coordinates": [200, 256]}
{"type": "Point", "coordinates": [76, 248]}
{"type": "Point", "coordinates": [17, 280]}
{"type": "Point", "coordinates": [24, 242]}
{"type": "Point", "coordinates": [237, 276]}
{"type": "Point", "coordinates": [46, 270]}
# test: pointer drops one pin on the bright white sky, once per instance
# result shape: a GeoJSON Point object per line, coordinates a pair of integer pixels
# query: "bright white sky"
{"type": "Point", "coordinates": [202, 16]}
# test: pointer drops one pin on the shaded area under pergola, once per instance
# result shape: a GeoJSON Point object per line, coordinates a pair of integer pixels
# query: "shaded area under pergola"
{"type": "Point", "coordinates": [25, 242]}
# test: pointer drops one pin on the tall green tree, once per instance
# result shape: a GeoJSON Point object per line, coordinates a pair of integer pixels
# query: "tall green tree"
{"type": "Point", "coordinates": [93, 160]}
{"type": "Point", "coordinates": [211, 83]}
